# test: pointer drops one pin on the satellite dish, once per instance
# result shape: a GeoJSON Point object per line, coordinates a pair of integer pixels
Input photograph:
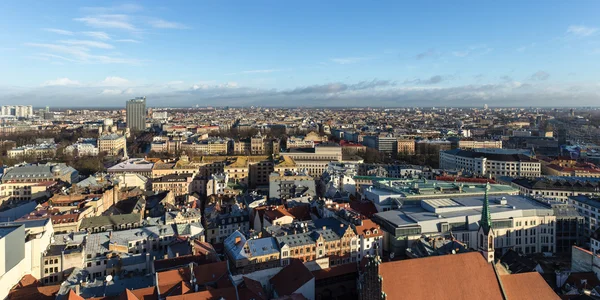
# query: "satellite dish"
{"type": "Point", "coordinates": [453, 251]}
{"type": "Point", "coordinates": [109, 278]}
{"type": "Point", "coordinates": [392, 255]}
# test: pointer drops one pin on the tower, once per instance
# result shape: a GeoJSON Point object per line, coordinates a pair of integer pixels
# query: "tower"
{"type": "Point", "coordinates": [136, 114]}
{"type": "Point", "coordinates": [485, 234]}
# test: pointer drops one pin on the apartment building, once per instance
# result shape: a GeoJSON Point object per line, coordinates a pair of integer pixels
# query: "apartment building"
{"type": "Point", "coordinates": [473, 144]}
{"type": "Point", "coordinates": [112, 144]}
{"type": "Point", "coordinates": [490, 164]}
{"type": "Point", "coordinates": [40, 173]}
{"type": "Point", "coordinates": [406, 146]}
{"type": "Point", "coordinates": [250, 255]}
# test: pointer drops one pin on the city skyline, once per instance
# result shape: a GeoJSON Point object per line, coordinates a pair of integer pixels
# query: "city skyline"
{"type": "Point", "coordinates": [300, 54]}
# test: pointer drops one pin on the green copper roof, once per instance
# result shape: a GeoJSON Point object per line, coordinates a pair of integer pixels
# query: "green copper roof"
{"type": "Point", "coordinates": [486, 219]}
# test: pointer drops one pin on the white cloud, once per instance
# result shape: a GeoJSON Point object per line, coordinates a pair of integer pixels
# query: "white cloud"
{"type": "Point", "coordinates": [97, 35]}
{"type": "Point", "coordinates": [128, 41]}
{"type": "Point", "coordinates": [205, 85]}
{"type": "Point", "coordinates": [158, 23]}
{"type": "Point", "coordinates": [90, 44]}
{"type": "Point", "coordinates": [114, 81]}
{"type": "Point", "coordinates": [581, 31]}
{"type": "Point", "coordinates": [111, 92]}
{"type": "Point", "coordinates": [123, 8]}
{"type": "Point", "coordinates": [58, 31]}
{"type": "Point", "coordinates": [61, 82]}
{"type": "Point", "coordinates": [349, 60]}
{"type": "Point", "coordinates": [108, 21]}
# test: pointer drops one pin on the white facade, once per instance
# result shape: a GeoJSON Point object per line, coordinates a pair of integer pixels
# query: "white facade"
{"type": "Point", "coordinates": [81, 150]}
{"type": "Point", "coordinates": [484, 166]}
{"type": "Point", "coordinates": [19, 111]}
{"type": "Point", "coordinates": [590, 210]}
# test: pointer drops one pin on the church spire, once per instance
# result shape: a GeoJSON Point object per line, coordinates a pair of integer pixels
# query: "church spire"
{"type": "Point", "coordinates": [486, 219]}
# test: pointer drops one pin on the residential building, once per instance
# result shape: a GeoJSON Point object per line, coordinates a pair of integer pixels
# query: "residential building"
{"type": "Point", "coordinates": [25, 191]}
{"type": "Point", "coordinates": [223, 225]}
{"type": "Point", "coordinates": [112, 144]}
{"type": "Point", "coordinates": [180, 184]}
{"type": "Point", "coordinates": [39, 151]}
{"type": "Point", "coordinates": [589, 207]}
{"type": "Point", "coordinates": [490, 164]}
{"type": "Point", "coordinates": [406, 146]}
{"type": "Point", "coordinates": [250, 255]}
{"type": "Point", "coordinates": [557, 188]}
{"type": "Point", "coordinates": [136, 114]}
{"type": "Point", "coordinates": [65, 254]}
{"type": "Point", "coordinates": [315, 160]}
{"type": "Point", "coordinates": [19, 111]}
{"type": "Point", "coordinates": [432, 147]}
{"type": "Point", "coordinates": [370, 241]}
{"type": "Point", "coordinates": [291, 185]}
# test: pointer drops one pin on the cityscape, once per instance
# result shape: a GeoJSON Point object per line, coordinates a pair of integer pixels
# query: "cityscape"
{"type": "Point", "coordinates": [296, 151]}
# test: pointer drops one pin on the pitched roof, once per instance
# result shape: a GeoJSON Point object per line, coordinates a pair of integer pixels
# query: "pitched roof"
{"type": "Point", "coordinates": [128, 295]}
{"type": "Point", "coordinates": [252, 289]}
{"type": "Point", "coordinates": [72, 296]}
{"type": "Point", "coordinates": [527, 286]}
{"type": "Point", "coordinates": [291, 278]}
{"type": "Point", "coordinates": [210, 294]}
{"type": "Point", "coordinates": [438, 277]}
{"type": "Point", "coordinates": [34, 292]}
{"type": "Point", "coordinates": [214, 272]}
{"type": "Point", "coordinates": [367, 229]}
{"type": "Point", "coordinates": [148, 293]}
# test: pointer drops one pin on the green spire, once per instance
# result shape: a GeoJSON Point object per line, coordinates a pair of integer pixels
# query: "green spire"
{"type": "Point", "coordinates": [486, 219]}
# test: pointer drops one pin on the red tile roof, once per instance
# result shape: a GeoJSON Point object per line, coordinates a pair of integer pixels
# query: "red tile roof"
{"type": "Point", "coordinates": [252, 289]}
{"type": "Point", "coordinates": [527, 286]}
{"type": "Point", "coordinates": [460, 276]}
{"type": "Point", "coordinates": [369, 229]}
{"type": "Point", "coordinates": [210, 294]}
{"type": "Point", "coordinates": [291, 278]}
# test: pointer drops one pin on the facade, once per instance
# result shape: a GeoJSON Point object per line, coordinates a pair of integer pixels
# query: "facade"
{"type": "Point", "coordinates": [370, 241]}
{"type": "Point", "coordinates": [25, 191]}
{"type": "Point", "coordinates": [556, 188]}
{"type": "Point", "coordinates": [309, 241]}
{"type": "Point", "coordinates": [406, 146]}
{"type": "Point", "coordinates": [39, 151]}
{"type": "Point", "coordinates": [180, 184]}
{"type": "Point", "coordinates": [112, 144]}
{"type": "Point", "coordinates": [19, 111]}
{"type": "Point", "coordinates": [386, 144]}
{"type": "Point", "coordinates": [221, 227]}
{"type": "Point", "coordinates": [82, 149]}
{"type": "Point", "coordinates": [472, 144]}
{"type": "Point", "coordinates": [589, 208]}
{"type": "Point", "coordinates": [40, 173]}
{"type": "Point", "coordinates": [291, 185]}
{"type": "Point", "coordinates": [316, 160]}
{"type": "Point", "coordinates": [518, 223]}
{"type": "Point", "coordinates": [12, 263]}
{"type": "Point", "coordinates": [490, 164]}
{"type": "Point", "coordinates": [432, 147]}
{"type": "Point", "coordinates": [64, 255]}
{"type": "Point", "coordinates": [136, 114]}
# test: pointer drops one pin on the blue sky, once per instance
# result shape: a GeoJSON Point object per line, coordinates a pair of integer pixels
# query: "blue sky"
{"type": "Point", "coordinates": [302, 53]}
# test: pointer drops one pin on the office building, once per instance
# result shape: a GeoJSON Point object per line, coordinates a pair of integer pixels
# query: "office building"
{"type": "Point", "coordinates": [518, 223]}
{"type": "Point", "coordinates": [136, 114]}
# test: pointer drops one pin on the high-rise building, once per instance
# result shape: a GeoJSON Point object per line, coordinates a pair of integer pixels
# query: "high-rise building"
{"type": "Point", "coordinates": [19, 111]}
{"type": "Point", "coordinates": [136, 113]}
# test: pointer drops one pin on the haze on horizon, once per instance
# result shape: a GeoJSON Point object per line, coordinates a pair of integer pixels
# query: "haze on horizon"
{"type": "Point", "coordinates": [307, 53]}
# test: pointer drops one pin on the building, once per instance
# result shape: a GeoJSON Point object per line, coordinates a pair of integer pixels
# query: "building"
{"type": "Point", "coordinates": [25, 191]}
{"type": "Point", "coordinates": [133, 165]}
{"type": "Point", "coordinates": [81, 149]}
{"type": "Point", "coordinates": [294, 279]}
{"type": "Point", "coordinates": [40, 173]}
{"type": "Point", "coordinates": [12, 263]}
{"type": "Point", "coordinates": [19, 111]}
{"type": "Point", "coordinates": [390, 193]}
{"type": "Point", "coordinates": [315, 160]}
{"type": "Point", "coordinates": [473, 144]}
{"type": "Point", "coordinates": [406, 146]}
{"type": "Point", "coordinates": [136, 114]}
{"type": "Point", "coordinates": [385, 144]}
{"type": "Point", "coordinates": [39, 151]}
{"type": "Point", "coordinates": [223, 225]}
{"type": "Point", "coordinates": [180, 184]}
{"type": "Point", "coordinates": [247, 256]}
{"type": "Point", "coordinates": [310, 241]}
{"type": "Point", "coordinates": [518, 223]}
{"type": "Point", "coordinates": [589, 207]}
{"type": "Point", "coordinates": [556, 188]}
{"type": "Point", "coordinates": [291, 185]}
{"type": "Point", "coordinates": [436, 278]}
{"type": "Point", "coordinates": [432, 147]}
{"type": "Point", "coordinates": [370, 241]}
{"type": "Point", "coordinates": [112, 144]}
{"type": "Point", "coordinates": [490, 164]}
{"type": "Point", "coordinates": [63, 256]}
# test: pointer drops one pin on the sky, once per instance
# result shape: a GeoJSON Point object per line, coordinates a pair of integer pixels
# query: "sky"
{"type": "Point", "coordinates": [300, 53]}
